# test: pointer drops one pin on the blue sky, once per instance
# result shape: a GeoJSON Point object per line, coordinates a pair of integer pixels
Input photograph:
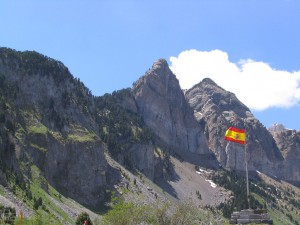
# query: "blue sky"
{"type": "Point", "coordinates": [109, 44]}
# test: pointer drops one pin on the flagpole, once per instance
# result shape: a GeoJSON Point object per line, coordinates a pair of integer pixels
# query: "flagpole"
{"type": "Point", "coordinates": [233, 134]}
{"type": "Point", "coordinates": [247, 179]}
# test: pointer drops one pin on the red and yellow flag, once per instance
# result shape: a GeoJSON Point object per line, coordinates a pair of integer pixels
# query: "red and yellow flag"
{"type": "Point", "coordinates": [235, 135]}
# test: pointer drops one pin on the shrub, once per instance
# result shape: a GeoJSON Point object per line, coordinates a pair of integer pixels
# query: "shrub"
{"type": "Point", "coordinates": [82, 217]}
{"type": "Point", "coordinates": [7, 215]}
{"type": "Point", "coordinates": [127, 213]}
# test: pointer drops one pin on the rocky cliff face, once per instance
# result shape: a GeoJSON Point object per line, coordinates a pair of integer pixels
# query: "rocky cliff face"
{"type": "Point", "coordinates": [128, 139]}
{"type": "Point", "coordinates": [288, 141]}
{"type": "Point", "coordinates": [77, 168]}
{"type": "Point", "coordinates": [216, 110]}
{"type": "Point", "coordinates": [48, 112]}
{"type": "Point", "coordinates": [161, 103]}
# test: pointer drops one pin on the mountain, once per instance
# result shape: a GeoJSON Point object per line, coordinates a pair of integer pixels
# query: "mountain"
{"type": "Point", "coordinates": [288, 141]}
{"type": "Point", "coordinates": [47, 121]}
{"type": "Point", "coordinates": [129, 141]}
{"type": "Point", "coordinates": [64, 151]}
{"type": "Point", "coordinates": [216, 110]}
{"type": "Point", "coordinates": [162, 105]}
{"type": "Point", "coordinates": [58, 142]}
{"type": "Point", "coordinates": [50, 122]}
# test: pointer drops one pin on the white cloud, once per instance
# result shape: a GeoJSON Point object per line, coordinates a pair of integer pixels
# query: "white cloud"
{"type": "Point", "coordinates": [256, 84]}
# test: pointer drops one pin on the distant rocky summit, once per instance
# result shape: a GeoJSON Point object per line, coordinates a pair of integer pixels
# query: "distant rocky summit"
{"type": "Point", "coordinates": [216, 110]}
{"type": "Point", "coordinates": [276, 127]}
{"type": "Point", "coordinates": [288, 141]}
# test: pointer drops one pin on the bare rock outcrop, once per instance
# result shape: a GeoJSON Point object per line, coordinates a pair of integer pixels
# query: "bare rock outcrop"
{"type": "Point", "coordinates": [162, 105]}
{"type": "Point", "coordinates": [142, 156]}
{"type": "Point", "coordinates": [216, 110]}
{"type": "Point", "coordinates": [288, 141]}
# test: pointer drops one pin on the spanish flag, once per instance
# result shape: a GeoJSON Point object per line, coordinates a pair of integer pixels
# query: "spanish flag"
{"type": "Point", "coordinates": [235, 135]}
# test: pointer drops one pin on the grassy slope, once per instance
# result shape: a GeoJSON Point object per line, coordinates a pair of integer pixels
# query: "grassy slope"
{"type": "Point", "coordinates": [281, 199]}
{"type": "Point", "coordinates": [283, 210]}
{"type": "Point", "coordinates": [55, 208]}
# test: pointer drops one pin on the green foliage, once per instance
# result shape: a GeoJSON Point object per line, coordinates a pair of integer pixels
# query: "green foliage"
{"type": "Point", "coordinates": [2, 117]}
{"type": "Point", "coordinates": [199, 195]}
{"type": "Point", "coordinates": [128, 213]}
{"type": "Point", "coordinates": [237, 184]}
{"type": "Point", "coordinates": [160, 215]}
{"type": "Point", "coordinates": [37, 203]}
{"type": "Point", "coordinates": [40, 218]}
{"type": "Point", "coordinates": [295, 202]}
{"type": "Point", "coordinates": [8, 92]}
{"type": "Point", "coordinates": [186, 213]}
{"type": "Point", "coordinates": [82, 217]}
{"type": "Point", "coordinates": [278, 201]}
{"type": "Point", "coordinates": [87, 137]}
{"type": "Point", "coordinates": [7, 215]}
{"type": "Point", "coordinates": [124, 213]}
{"type": "Point", "coordinates": [10, 126]}
{"type": "Point", "coordinates": [37, 129]}
{"type": "Point", "coordinates": [120, 128]}
{"type": "Point", "coordinates": [32, 62]}
{"type": "Point", "coordinates": [38, 195]}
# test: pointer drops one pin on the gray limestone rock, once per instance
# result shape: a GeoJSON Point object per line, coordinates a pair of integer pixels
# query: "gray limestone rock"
{"type": "Point", "coordinates": [161, 103]}
{"type": "Point", "coordinates": [216, 110]}
{"type": "Point", "coordinates": [288, 141]}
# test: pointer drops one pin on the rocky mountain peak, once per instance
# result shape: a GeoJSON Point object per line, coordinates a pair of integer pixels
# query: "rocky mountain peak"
{"type": "Point", "coordinates": [162, 105]}
{"type": "Point", "coordinates": [160, 70]}
{"type": "Point", "coordinates": [216, 110]}
{"type": "Point", "coordinates": [210, 94]}
{"type": "Point", "coordinates": [160, 64]}
{"type": "Point", "coordinates": [208, 81]}
{"type": "Point", "coordinates": [277, 127]}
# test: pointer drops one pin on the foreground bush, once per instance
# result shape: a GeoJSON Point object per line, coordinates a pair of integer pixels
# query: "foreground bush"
{"type": "Point", "coordinates": [184, 213]}
{"type": "Point", "coordinates": [39, 218]}
{"type": "Point", "coordinates": [82, 217]}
